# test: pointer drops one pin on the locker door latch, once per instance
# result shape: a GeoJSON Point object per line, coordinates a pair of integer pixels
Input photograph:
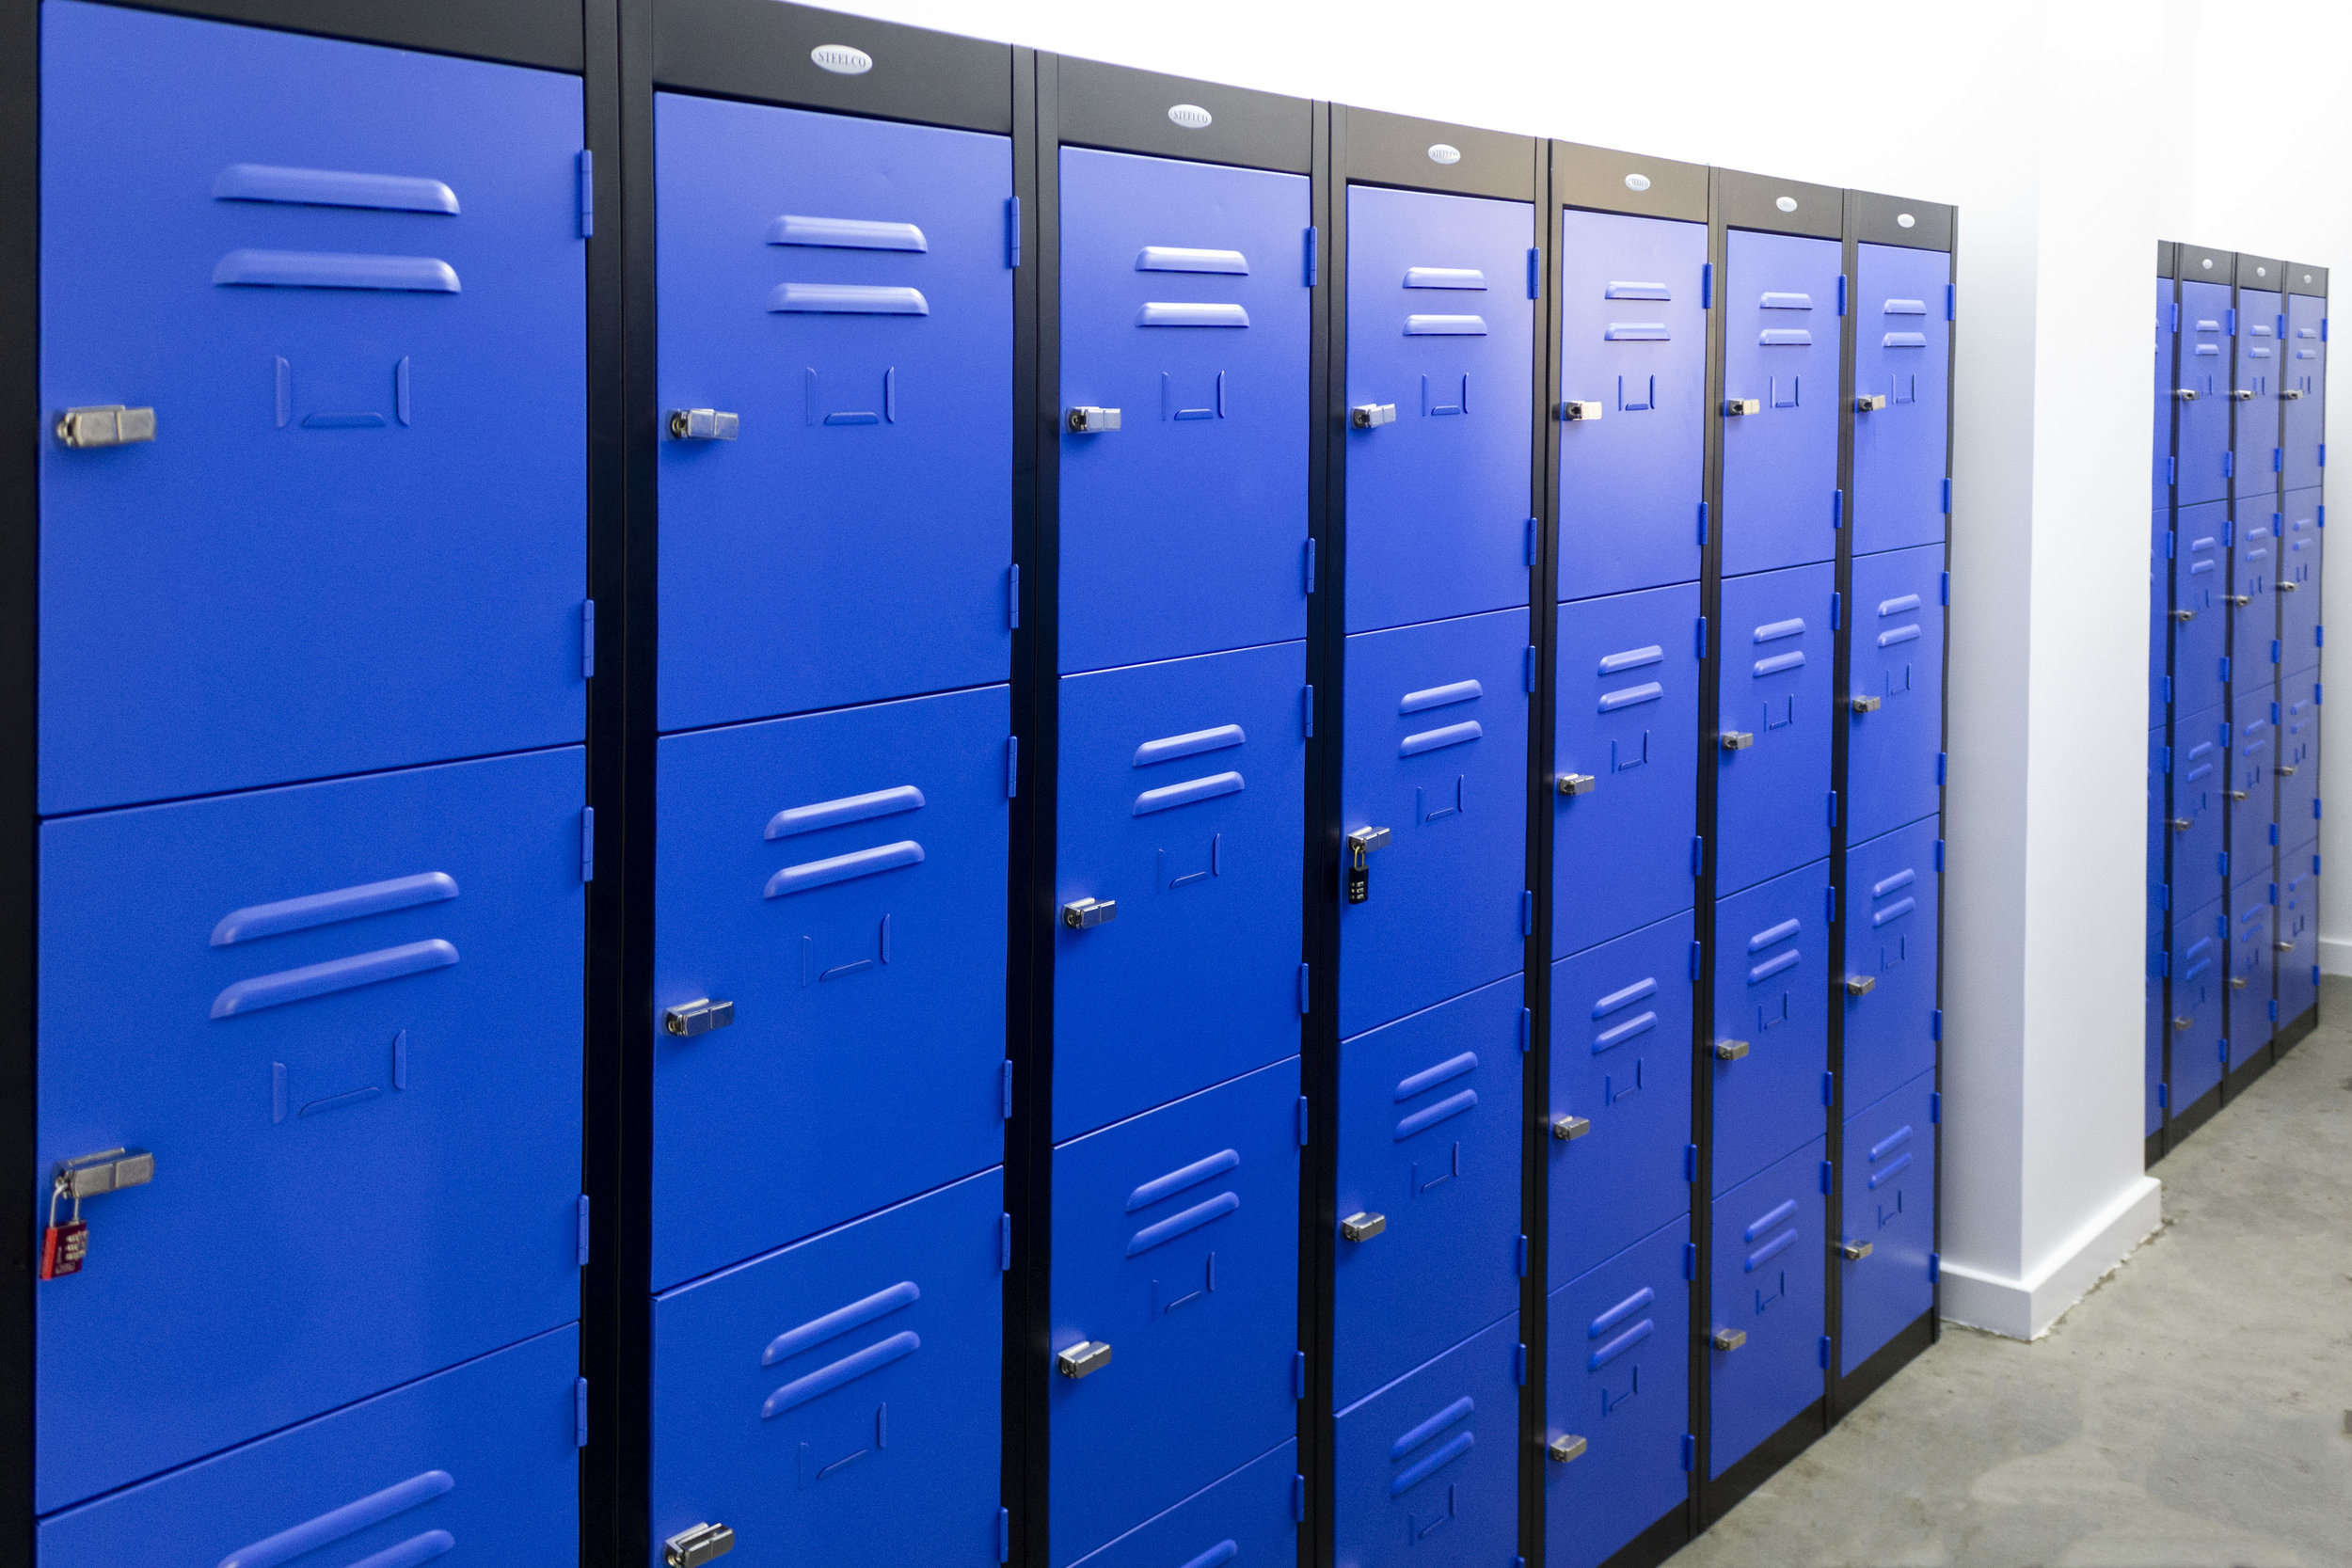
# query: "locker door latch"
{"type": "Point", "coordinates": [1734, 408]}
{"type": "Point", "coordinates": [1854, 1252]}
{"type": "Point", "coordinates": [1573, 411]}
{"type": "Point", "coordinates": [108, 424]}
{"type": "Point", "coordinates": [2182, 824]}
{"type": "Point", "coordinates": [1570, 1129]}
{"type": "Point", "coordinates": [1364, 1226]}
{"type": "Point", "coordinates": [1564, 1448]}
{"type": "Point", "coordinates": [63, 1246]}
{"type": "Point", "coordinates": [2186, 394]}
{"type": "Point", "coordinates": [1577, 784]}
{"type": "Point", "coordinates": [2184, 616]}
{"type": "Point", "coordinates": [2283, 946]}
{"type": "Point", "coordinates": [1731, 1051]}
{"type": "Point", "coordinates": [1729, 1338]}
{"type": "Point", "coordinates": [1084, 915]}
{"type": "Point", "coordinates": [1083, 1360]}
{"type": "Point", "coordinates": [689, 1548]}
{"type": "Point", "coordinates": [698, 1017]}
{"type": "Point", "coordinates": [1372, 416]}
{"type": "Point", "coordinates": [1861, 985]}
{"type": "Point", "coordinates": [2237, 795]}
{"type": "Point", "coordinates": [2283, 588]}
{"type": "Point", "coordinates": [1866, 704]}
{"type": "Point", "coordinates": [2238, 982]}
{"type": "Point", "coordinates": [1737, 741]}
{"type": "Point", "coordinates": [1092, 422]}
{"type": "Point", "coordinates": [2241, 394]}
{"type": "Point", "coordinates": [2286, 769]}
{"type": "Point", "coordinates": [2241, 599]}
{"type": "Point", "coordinates": [1870, 403]}
{"type": "Point", "coordinates": [1360, 843]}
{"type": "Point", "coordinates": [2291, 394]}
{"type": "Point", "coordinates": [2182, 1022]}
{"type": "Point", "coordinates": [703, 424]}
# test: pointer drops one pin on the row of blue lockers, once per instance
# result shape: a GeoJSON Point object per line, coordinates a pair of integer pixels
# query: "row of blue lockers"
{"type": "Point", "coordinates": [2235, 689]}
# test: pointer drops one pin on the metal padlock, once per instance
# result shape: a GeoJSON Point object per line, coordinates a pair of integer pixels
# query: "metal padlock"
{"type": "Point", "coordinates": [1372, 416]}
{"type": "Point", "coordinates": [1360, 843]}
{"type": "Point", "coordinates": [1734, 408]}
{"type": "Point", "coordinates": [63, 1246]}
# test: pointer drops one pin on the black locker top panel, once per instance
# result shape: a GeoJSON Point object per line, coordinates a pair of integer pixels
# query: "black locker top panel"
{"type": "Point", "coordinates": [2267, 273]}
{"type": "Point", "coordinates": [1779, 206]}
{"type": "Point", "coordinates": [2168, 256]}
{"type": "Point", "coordinates": [2197, 263]}
{"type": "Point", "coordinates": [1608, 181]}
{"type": "Point", "coordinates": [782, 54]}
{"type": "Point", "coordinates": [2305, 278]}
{"type": "Point", "coordinates": [521, 32]}
{"type": "Point", "coordinates": [1429, 154]}
{"type": "Point", "coordinates": [1880, 219]}
{"type": "Point", "coordinates": [1127, 110]}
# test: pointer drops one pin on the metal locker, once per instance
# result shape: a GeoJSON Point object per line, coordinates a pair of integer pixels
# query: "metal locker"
{"type": "Point", "coordinates": [1619, 1114]}
{"type": "Point", "coordinates": [1250, 1516]}
{"type": "Point", "coordinates": [1175, 1303]}
{"type": "Point", "coordinates": [1887, 1253]}
{"type": "Point", "coordinates": [2298, 760]}
{"type": "Point", "coordinates": [1895, 690]}
{"type": "Point", "coordinates": [1888, 987]}
{"type": "Point", "coordinates": [2251, 806]}
{"type": "Point", "coordinates": [2160, 480]}
{"type": "Point", "coordinates": [482, 1460]}
{"type": "Point", "coordinates": [1429, 1227]}
{"type": "Point", "coordinates": [1624, 763]}
{"type": "Point", "coordinates": [774, 1382]}
{"type": "Point", "coordinates": [2200, 606]}
{"type": "Point", "coordinates": [1446, 905]}
{"type": "Point", "coordinates": [836, 884]}
{"type": "Point", "coordinates": [2298, 930]}
{"type": "Point", "coordinates": [1783, 298]}
{"type": "Point", "coordinates": [2200, 960]}
{"type": "Point", "coordinates": [1765, 1348]}
{"type": "Point", "coordinates": [2246, 1006]}
{"type": "Point", "coordinates": [1902, 353]}
{"type": "Point", "coordinates": [1776, 682]}
{"type": "Point", "coordinates": [1177, 949]}
{"type": "Point", "coordinates": [1770, 1048]}
{"type": "Point", "coordinates": [346, 287]}
{"type": "Point", "coordinates": [2200, 775]}
{"type": "Point", "coordinates": [1440, 344]}
{"type": "Point", "coordinates": [2254, 594]}
{"type": "Point", "coordinates": [2303, 383]}
{"type": "Point", "coordinates": [1184, 304]}
{"type": "Point", "coordinates": [337, 1026]}
{"type": "Point", "coordinates": [840, 291]}
{"type": "Point", "coordinates": [1633, 377]}
{"type": "Point", "coordinates": [1618, 1399]}
{"type": "Point", "coordinates": [2299, 551]}
{"type": "Point", "coordinates": [2159, 616]}
{"type": "Point", "coordinates": [2202, 444]}
{"type": "Point", "coordinates": [1412, 1483]}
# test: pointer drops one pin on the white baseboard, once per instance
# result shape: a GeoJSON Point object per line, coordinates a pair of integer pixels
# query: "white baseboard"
{"type": "Point", "coordinates": [2026, 1308]}
{"type": "Point", "coordinates": [2335, 956]}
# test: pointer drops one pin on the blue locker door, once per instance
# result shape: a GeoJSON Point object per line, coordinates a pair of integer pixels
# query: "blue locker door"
{"type": "Point", "coordinates": [1633, 370]}
{"type": "Point", "coordinates": [2160, 477]}
{"type": "Point", "coordinates": [1429, 1142]}
{"type": "Point", "coordinates": [2201, 962]}
{"type": "Point", "coordinates": [1621, 1065]}
{"type": "Point", "coordinates": [2158, 749]}
{"type": "Point", "coordinates": [2251, 751]}
{"type": "Point", "coordinates": [2257, 377]}
{"type": "Point", "coordinates": [2303, 382]}
{"type": "Point", "coordinates": [2154, 987]}
{"type": "Point", "coordinates": [776, 1383]}
{"type": "Point", "coordinates": [839, 879]}
{"type": "Point", "coordinates": [1437, 753]}
{"type": "Point", "coordinates": [843, 287]}
{"type": "Point", "coordinates": [1889, 1203]}
{"type": "Point", "coordinates": [2298, 760]}
{"type": "Point", "coordinates": [2254, 597]}
{"type": "Point", "coordinates": [1250, 1516]}
{"type": "Point", "coordinates": [480, 1463]}
{"type": "Point", "coordinates": [2201, 613]}
{"type": "Point", "coordinates": [1902, 353]}
{"type": "Point", "coordinates": [2200, 774]}
{"type": "Point", "coordinates": [1777, 680]}
{"type": "Point", "coordinates": [2247, 1005]}
{"type": "Point", "coordinates": [2203, 442]}
{"type": "Point", "coordinates": [1771, 1041]}
{"type": "Point", "coordinates": [2159, 616]}
{"type": "Point", "coordinates": [1624, 763]}
{"type": "Point", "coordinates": [1767, 1289]}
{"type": "Point", "coordinates": [2300, 550]}
{"type": "Point", "coordinates": [350, 282]}
{"type": "Point", "coordinates": [284, 997]}
{"type": "Point", "coordinates": [1181, 786]}
{"type": "Point", "coordinates": [1440, 331]}
{"type": "Point", "coordinates": [2298, 940]}
{"type": "Point", "coordinates": [1175, 1247]}
{"type": "Point", "coordinates": [1888, 987]}
{"type": "Point", "coordinates": [1185, 307]}
{"type": "Point", "coordinates": [1619, 1381]}
{"type": "Point", "coordinates": [1414, 1485]}
{"type": "Point", "coordinates": [1895, 697]}
{"type": "Point", "coordinates": [1781, 506]}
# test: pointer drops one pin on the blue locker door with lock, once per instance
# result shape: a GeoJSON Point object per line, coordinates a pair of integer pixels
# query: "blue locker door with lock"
{"type": "Point", "coordinates": [349, 282]}
{"type": "Point", "coordinates": [1440, 342]}
{"type": "Point", "coordinates": [2296, 941]}
{"type": "Point", "coordinates": [1895, 690]}
{"type": "Point", "coordinates": [1766, 1352]}
{"type": "Point", "coordinates": [2254, 598]}
{"type": "Point", "coordinates": [2160, 480]}
{"type": "Point", "coordinates": [2258, 380]}
{"type": "Point", "coordinates": [2200, 965]}
{"type": "Point", "coordinates": [2201, 783]}
{"type": "Point", "coordinates": [1888, 987]}
{"type": "Point", "coordinates": [2200, 606]}
{"type": "Point", "coordinates": [2298, 759]}
{"type": "Point", "coordinates": [2251, 752]}
{"type": "Point", "coordinates": [1903, 366]}
{"type": "Point", "coordinates": [1771, 1040]}
{"type": "Point", "coordinates": [1633, 384]}
{"type": "Point", "coordinates": [2303, 382]}
{"type": "Point", "coordinates": [2247, 1003]}
{"type": "Point", "coordinates": [2301, 548]}
{"type": "Point", "coordinates": [1414, 1483]}
{"type": "Point", "coordinates": [2202, 447]}
{"type": "Point", "coordinates": [1885, 1270]}
{"type": "Point", "coordinates": [1773, 806]}
{"type": "Point", "coordinates": [1782, 300]}
{"type": "Point", "coordinates": [842, 290]}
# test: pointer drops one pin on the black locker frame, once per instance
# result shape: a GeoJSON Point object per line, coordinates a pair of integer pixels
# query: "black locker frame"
{"type": "Point", "coordinates": [2309, 279]}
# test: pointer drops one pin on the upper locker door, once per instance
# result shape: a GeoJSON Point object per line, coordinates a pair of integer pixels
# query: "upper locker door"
{"type": "Point", "coordinates": [2303, 382]}
{"type": "Point", "coordinates": [2160, 479]}
{"type": "Point", "coordinates": [2255, 385]}
{"type": "Point", "coordinates": [843, 288]}
{"type": "Point", "coordinates": [1782, 299]}
{"type": "Point", "coordinates": [1634, 375]}
{"type": "Point", "coordinates": [349, 282]}
{"type": "Point", "coordinates": [1440, 337]}
{"type": "Point", "coordinates": [1185, 309]}
{"type": "Point", "coordinates": [2202, 444]}
{"type": "Point", "coordinates": [1902, 353]}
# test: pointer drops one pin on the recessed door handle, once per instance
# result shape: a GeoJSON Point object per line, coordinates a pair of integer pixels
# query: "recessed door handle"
{"type": "Point", "coordinates": [1364, 1226]}
{"type": "Point", "coordinates": [1083, 1360]}
{"type": "Point", "coordinates": [703, 424]}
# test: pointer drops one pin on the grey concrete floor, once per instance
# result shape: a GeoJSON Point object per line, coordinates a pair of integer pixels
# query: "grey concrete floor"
{"type": "Point", "coordinates": [2195, 1411]}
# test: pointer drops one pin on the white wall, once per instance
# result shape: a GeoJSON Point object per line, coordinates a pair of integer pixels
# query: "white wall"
{"type": "Point", "coordinates": [2062, 130]}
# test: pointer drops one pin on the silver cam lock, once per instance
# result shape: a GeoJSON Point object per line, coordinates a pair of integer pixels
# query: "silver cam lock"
{"type": "Point", "coordinates": [691, 1549]}
{"type": "Point", "coordinates": [108, 424]}
{"type": "Point", "coordinates": [1570, 1129]}
{"type": "Point", "coordinates": [1729, 1338]}
{"type": "Point", "coordinates": [1564, 1448]}
{"type": "Point", "coordinates": [703, 424]}
{"type": "Point", "coordinates": [698, 1017]}
{"type": "Point", "coordinates": [1084, 915]}
{"type": "Point", "coordinates": [1856, 1251]}
{"type": "Point", "coordinates": [1731, 1051]}
{"type": "Point", "coordinates": [1737, 741]}
{"type": "Point", "coordinates": [1866, 704]}
{"type": "Point", "coordinates": [1092, 422]}
{"type": "Point", "coordinates": [1083, 1360]}
{"type": "Point", "coordinates": [1372, 416]}
{"type": "Point", "coordinates": [1363, 1228]}
{"type": "Point", "coordinates": [1861, 985]}
{"type": "Point", "coordinates": [1577, 784]}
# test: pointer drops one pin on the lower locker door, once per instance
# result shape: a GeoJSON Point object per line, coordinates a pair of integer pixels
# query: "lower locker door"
{"type": "Point", "coordinates": [1770, 1048]}
{"type": "Point", "coordinates": [2201, 776]}
{"type": "Point", "coordinates": [1895, 690]}
{"type": "Point", "coordinates": [1619, 1113]}
{"type": "Point", "coordinates": [1175, 1303]}
{"type": "Point", "coordinates": [839, 880]}
{"type": "Point", "coordinates": [1181, 788]}
{"type": "Point", "coordinates": [1888, 987]}
{"type": "Point", "coordinates": [1618, 1399]}
{"type": "Point", "coordinates": [2154, 987]}
{"type": "Point", "coordinates": [1426, 1472]}
{"type": "Point", "coordinates": [2299, 611]}
{"type": "Point", "coordinates": [1773, 806]}
{"type": "Point", "coordinates": [1889, 1200]}
{"type": "Point", "coordinates": [1766, 1354]}
{"type": "Point", "coordinates": [478, 1464]}
{"type": "Point", "coordinates": [2298, 940]}
{"type": "Point", "coordinates": [2246, 1003]}
{"type": "Point", "coordinates": [2298, 758]}
{"type": "Point", "coordinates": [2254, 594]}
{"type": "Point", "coordinates": [2159, 616]}
{"type": "Point", "coordinates": [1625, 787]}
{"type": "Point", "coordinates": [2251, 735]}
{"type": "Point", "coordinates": [2200, 606]}
{"type": "Point", "coordinates": [344, 1021]}
{"type": "Point", "coordinates": [1249, 1518]}
{"type": "Point", "coordinates": [1437, 754]}
{"type": "Point", "coordinates": [2200, 960]}
{"type": "Point", "coordinates": [834, 1404]}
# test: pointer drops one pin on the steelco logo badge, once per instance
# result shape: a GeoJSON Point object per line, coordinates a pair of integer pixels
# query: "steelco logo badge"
{"type": "Point", "coordinates": [1192, 117]}
{"type": "Point", "coordinates": [841, 60]}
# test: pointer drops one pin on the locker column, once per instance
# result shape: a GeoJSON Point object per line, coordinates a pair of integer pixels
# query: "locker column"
{"type": "Point", "coordinates": [2302, 517]}
{"type": "Point", "coordinates": [2166, 399]}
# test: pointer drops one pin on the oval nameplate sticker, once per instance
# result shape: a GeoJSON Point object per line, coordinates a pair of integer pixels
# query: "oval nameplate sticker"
{"type": "Point", "coordinates": [1905, 219]}
{"type": "Point", "coordinates": [1445, 153]}
{"type": "Point", "coordinates": [1192, 117]}
{"type": "Point", "coordinates": [1787, 204]}
{"type": "Point", "coordinates": [841, 60]}
{"type": "Point", "coordinates": [1637, 181]}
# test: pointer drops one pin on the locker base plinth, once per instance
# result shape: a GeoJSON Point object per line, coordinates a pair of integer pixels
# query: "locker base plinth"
{"type": "Point", "coordinates": [2291, 1033]}
{"type": "Point", "coordinates": [2155, 1150]}
{"type": "Point", "coordinates": [1883, 1363]}
{"type": "Point", "coordinates": [2191, 1116]}
{"type": "Point", "coordinates": [2242, 1074]}
{"type": "Point", "coordinates": [1668, 1535]}
{"type": "Point", "coordinates": [1758, 1465]}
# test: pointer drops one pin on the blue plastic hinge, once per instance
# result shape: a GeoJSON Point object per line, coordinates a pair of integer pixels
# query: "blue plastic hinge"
{"type": "Point", "coordinates": [1518, 1366]}
{"type": "Point", "coordinates": [1012, 597]}
{"type": "Point", "coordinates": [1836, 611]}
{"type": "Point", "coordinates": [2229, 533]}
{"type": "Point", "coordinates": [2163, 1097]}
{"type": "Point", "coordinates": [1534, 535]}
{"type": "Point", "coordinates": [1690, 1162]}
{"type": "Point", "coordinates": [2176, 315]}
{"type": "Point", "coordinates": [1523, 1250]}
{"type": "Point", "coordinates": [1535, 271]}
{"type": "Point", "coordinates": [1829, 1088]}
{"type": "Point", "coordinates": [1706, 286]}
{"type": "Point", "coordinates": [1936, 1106]}
{"type": "Point", "coordinates": [1838, 508]}
{"type": "Point", "coordinates": [579, 1412]}
{"type": "Point", "coordinates": [1947, 496]}
{"type": "Point", "coordinates": [1690, 1259]}
{"type": "Point", "coordinates": [2282, 326]}
{"type": "Point", "coordinates": [2229, 465]}
{"type": "Point", "coordinates": [1004, 1535]}
{"type": "Point", "coordinates": [582, 1259]}
{"type": "Point", "coordinates": [2274, 648]}
{"type": "Point", "coordinates": [1314, 244]}
{"type": "Point", "coordinates": [1305, 988]}
{"type": "Point", "coordinates": [1004, 1243]}
{"type": "Point", "coordinates": [1526, 667]}
{"type": "Point", "coordinates": [2166, 752]}
{"type": "Point", "coordinates": [2278, 460]}
{"type": "Point", "coordinates": [1951, 301]}
{"type": "Point", "coordinates": [587, 640]}
{"type": "Point", "coordinates": [2167, 688]}
{"type": "Point", "coordinates": [2222, 862]}
{"type": "Point", "coordinates": [2323, 454]}
{"type": "Point", "coordinates": [1298, 1498]}
{"type": "Point", "coordinates": [1690, 1449]}
{"type": "Point", "coordinates": [1825, 1353]}
{"type": "Point", "coordinates": [585, 182]}
{"type": "Point", "coordinates": [2164, 965]}
{"type": "Point", "coordinates": [1302, 1122]}
{"type": "Point", "coordinates": [1942, 758]}
{"type": "Point", "coordinates": [2228, 319]}
{"type": "Point", "coordinates": [1527, 912]}
{"type": "Point", "coordinates": [1695, 959]}
{"type": "Point", "coordinates": [1298, 1374]}
{"type": "Point", "coordinates": [1004, 1089]}
{"type": "Point", "coordinates": [1311, 565]}
{"type": "Point", "coordinates": [1700, 638]}
{"type": "Point", "coordinates": [1935, 1267]}
{"type": "Point", "coordinates": [1939, 855]}
{"type": "Point", "coordinates": [2274, 1009]}
{"type": "Point", "coordinates": [1527, 1030]}
{"type": "Point", "coordinates": [2225, 660]}
{"type": "Point", "coordinates": [1841, 293]}
{"type": "Point", "coordinates": [1307, 711]}
{"type": "Point", "coordinates": [1829, 899]}
{"type": "Point", "coordinates": [2172, 470]}
{"type": "Point", "coordinates": [1702, 524]}
{"type": "Point", "coordinates": [1012, 231]}
{"type": "Point", "coordinates": [1833, 808]}
{"type": "Point", "coordinates": [2274, 713]}
{"type": "Point", "coordinates": [1698, 855]}
{"type": "Point", "coordinates": [1013, 768]}
{"type": "Point", "coordinates": [2274, 841]}
{"type": "Point", "coordinates": [1935, 1024]}
{"type": "Point", "coordinates": [587, 844]}
{"type": "Point", "coordinates": [2222, 1048]}
{"type": "Point", "coordinates": [1825, 1178]}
